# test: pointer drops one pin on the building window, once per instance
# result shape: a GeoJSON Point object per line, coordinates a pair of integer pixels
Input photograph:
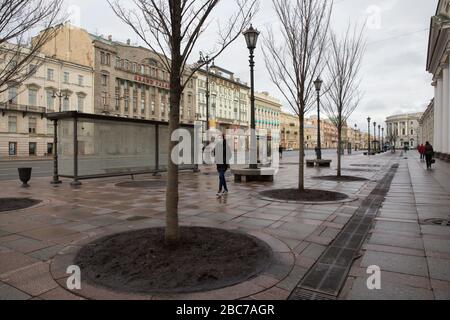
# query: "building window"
{"type": "Point", "coordinates": [117, 105]}
{"type": "Point", "coordinates": [49, 148]}
{"type": "Point", "coordinates": [153, 107]}
{"type": "Point", "coordinates": [12, 124]}
{"type": "Point", "coordinates": [66, 104]}
{"type": "Point", "coordinates": [142, 104]}
{"type": "Point", "coordinates": [66, 77]}
{"type": "Point", "coordinates": [80, 80]}
{"type": "Point", "coordinates": [12, 95]}
{"type": "Point", "coordinates": [127, 104]}
{"type": "Point", "coordinates": [105, 58]}
{"type": "Point", "coordinates": [50, 128]}
{"type": "Point", "coordinates": [32, 68]}
{"type": "Point", "coordinates": [104, 80]}
{"type": "Point", "coordinates": [104, 98]}
{"type": "Point", "coordinates": [50, 101]}
{"type": "Point", "coordinates": [12, 148]}
{"type": "Point", "coordinates": [50, 74]}
{"type": "Point", "coordinates": [32, 125]}
{"type": "Point", "coordinates": [80, 104]}
{"type": "Point", "coordinates": [32, 148]}
{"type": "Point", "coordinates": [32, 97]}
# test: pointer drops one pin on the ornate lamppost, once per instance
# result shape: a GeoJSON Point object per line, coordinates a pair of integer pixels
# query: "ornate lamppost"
{"type": "Point", "coordinates": [382, 138]}
{"type": "Point", "coordinates": [206, 61]}
{"type": "Point", "coordinates": [374, 137]}
{"type": "Point", "coordinates": [368, 121]}
{"type": "Point", "coordinates": [318, 84]}
{"type": "Point", "coordinates": [356, 132]}
{"type": "Point", "coordinates": [251, 37]}
{"type": "Point", "coordinates": [379, 137]}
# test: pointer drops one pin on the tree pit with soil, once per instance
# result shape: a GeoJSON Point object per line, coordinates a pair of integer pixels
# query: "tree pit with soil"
{"type": "Point", "coordinates": [12, 204]}
{"type": "Point", "coordinates": [205, 259]}
{"type": "Point", "coordinates": [308, 195]}
{"type": "Point", "coordinates": [341, 178]}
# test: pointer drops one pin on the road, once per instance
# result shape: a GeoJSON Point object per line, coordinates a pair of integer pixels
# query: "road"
{"type": "Point", "coordinates": [44, 168]}
{"type": "Point", "coordinates": [8, 169]}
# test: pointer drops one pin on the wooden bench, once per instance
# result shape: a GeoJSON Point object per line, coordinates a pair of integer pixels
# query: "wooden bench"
{"type": "Point", "coordinates": [318, 163]}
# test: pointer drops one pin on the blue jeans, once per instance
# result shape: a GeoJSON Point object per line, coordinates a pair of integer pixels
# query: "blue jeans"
{"type": "Point", "coordinates": [222, 181]}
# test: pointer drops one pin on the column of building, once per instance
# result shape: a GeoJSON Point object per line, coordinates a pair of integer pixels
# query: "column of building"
{"type": "Point", "coordinates": [437, 112]}
{"type": "Point", "coordinates": [445, 109]}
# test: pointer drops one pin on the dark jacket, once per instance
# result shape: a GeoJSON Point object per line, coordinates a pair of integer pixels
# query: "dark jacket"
{"type": "Point", "coordinates": [222, 155]}
{"type": "Point", "coordinates": [429, 151]}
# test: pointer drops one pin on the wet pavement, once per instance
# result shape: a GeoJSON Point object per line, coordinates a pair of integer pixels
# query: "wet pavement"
{"type": "Point", "coordinates": [36, 244]}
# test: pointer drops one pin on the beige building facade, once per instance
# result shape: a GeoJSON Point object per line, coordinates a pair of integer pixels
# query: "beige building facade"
{"type": "Point", "coordinates": [229, 102]}
{"type": "Point", "coordinates": [438, 64]}
{"type": "Point", "coordinates": [267, 113]}
{"type": "Point", "coordinates": [289, 133]}
{"type": "Point", "coordinates": [129, 81]}
{"type": "Point", "coordinates": [426, 123]}
{"type": "Point", "coordinates": [406, 129]}
{"type": "Point", "coordinates": [53, 85]}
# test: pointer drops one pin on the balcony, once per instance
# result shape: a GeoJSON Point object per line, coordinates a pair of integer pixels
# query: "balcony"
{"type": "Point", "coordinates": [8, 106]}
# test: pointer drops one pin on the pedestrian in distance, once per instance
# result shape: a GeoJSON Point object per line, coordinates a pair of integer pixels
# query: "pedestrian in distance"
{"type": "Point", "coordinates": [421, 150]}
{"type": "Point", "coordinates": [429, 155]}
{"type": "Point", "coordinates": [280, 150]}
{"type": "Point", "coordinates": [222, 157]}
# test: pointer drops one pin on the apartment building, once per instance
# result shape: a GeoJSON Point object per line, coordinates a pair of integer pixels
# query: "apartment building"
{"type": "Point", "coordinates": [229, 104]}
{"type": "Point", "coordinates": [129, 80]}
{"type": "Point", "coordinates": [53, 85]}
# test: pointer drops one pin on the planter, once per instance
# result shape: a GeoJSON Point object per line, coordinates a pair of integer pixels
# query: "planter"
{"type": "Point", "coordinates": [25, 176]}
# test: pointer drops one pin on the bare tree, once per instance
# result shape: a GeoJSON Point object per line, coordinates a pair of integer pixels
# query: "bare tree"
{"type": "Point", "coordinates": [18, 19]}
{"type": "Point", "coordinates": [342, 68]}
{"type": "Point", "coordinates": [298, 59]}
{"type": "Point", "coordinates": [173, 28]}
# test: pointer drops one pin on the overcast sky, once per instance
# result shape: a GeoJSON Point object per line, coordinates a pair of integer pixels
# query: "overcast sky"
{"type": "Point", "coordinates": [394, 76]}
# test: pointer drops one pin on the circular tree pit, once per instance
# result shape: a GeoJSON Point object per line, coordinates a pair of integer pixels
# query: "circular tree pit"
{"type": "Point", "coordinates": [205, 259]}
{"type": "Point", "coordinates": [341, 178]}
{"type": "Point", "coordinates": [11, 204]}
{"type": "Point", "coordinates": [308, 195]}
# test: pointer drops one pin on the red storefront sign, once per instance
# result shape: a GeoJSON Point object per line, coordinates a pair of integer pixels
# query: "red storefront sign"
{"type": "Point", "coordinates": [151, 82]}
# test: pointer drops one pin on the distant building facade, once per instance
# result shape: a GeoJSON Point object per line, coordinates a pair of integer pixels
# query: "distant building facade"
{"type": "Point", "coordinates": [426, 123]}
{"type": "Point", "coordinates": [267, 112]}
{"type": "Point", "coordinates": [54, 85]}
{"type": "Point", "coordinates": [406, 129]}
{"type": "Point", "coordinates": [229, 102]}
{"type": "Point", "coordinates": [129, 81]}
{"type": "Point", "coordinates": [438, 64]}
{"type": "Point", "coordinates": [290, 130]}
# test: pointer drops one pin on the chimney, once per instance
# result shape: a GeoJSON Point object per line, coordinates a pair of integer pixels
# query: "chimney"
{"type": "Point", "coordinates": [110, 37]}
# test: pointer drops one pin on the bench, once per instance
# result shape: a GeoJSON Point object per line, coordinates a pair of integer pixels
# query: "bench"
{"type": "Point", "coordinates": [319, 163]}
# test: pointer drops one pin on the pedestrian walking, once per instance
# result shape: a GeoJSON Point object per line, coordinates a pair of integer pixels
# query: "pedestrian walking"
{"type": "Point", "coordinates": [429, 155]}
{"type": "Point", "coordinates": [421, 150]}
{"type": "Point", "coordinates": [222, 156]}
{"type": "Point", "coordinates": [280, 150]}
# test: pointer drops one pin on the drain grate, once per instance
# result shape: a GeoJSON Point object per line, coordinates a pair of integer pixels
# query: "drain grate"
{"type": "Point", "coordinates": [311, 295]}
{"type": "Point", "coordinates": [328, 275]}
{"type": "Point", "coordinates": [437, 222]}
{"type": "Point", "coordinates": [137, 218]}
{"type": "Point", "coordinates": [366, 165]}
{"type": "Point", "coordinates": [149, 184]}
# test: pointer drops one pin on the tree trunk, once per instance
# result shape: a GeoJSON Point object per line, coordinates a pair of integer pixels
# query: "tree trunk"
{"type": "Point", "coordinates": [339, 164]}
{"type": "Point", "coordinates": [301, 166]}
{"type": "Point", "coordinates": [172, 234]}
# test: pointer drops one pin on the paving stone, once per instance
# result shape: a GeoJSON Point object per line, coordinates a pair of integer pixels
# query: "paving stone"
{"type": "Point", "coordinates": [10, 261]}
{"type": "Point", "coordinates": [437, 245]}
{"type": "Point", "coordinates": [399, 241]}
{"type": "Point", "coordinates": [439, 268]}
{"type": "Point", "coordinates": [396, 263]}
{"type": "Point", "coordinates": [10, 293]}
{"type": "Point", "coordinates": [389, 291]}
{"type": "Point", "coordinates": [34, 280]}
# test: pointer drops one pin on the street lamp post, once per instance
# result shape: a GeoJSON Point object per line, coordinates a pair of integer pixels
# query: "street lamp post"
{"type": "Point", "coordinates": [382, 137]}
{"type": "Point", "coordinates": [56, 179]}
{"type": "Point", "coordinates": [251, 37]}
{"type": "Point", "coordinates": [318, 84]}
{"type": "Point", "coordinates": [379, 137]}
{"type": "Point", "coordinates": [356, 132]}
{"type": "Point", "coordinates": [374, 136]}
{"type": "Point", "coordinates": [368, 121]}
{"type": "Point", "coordinates": [206, 61]}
